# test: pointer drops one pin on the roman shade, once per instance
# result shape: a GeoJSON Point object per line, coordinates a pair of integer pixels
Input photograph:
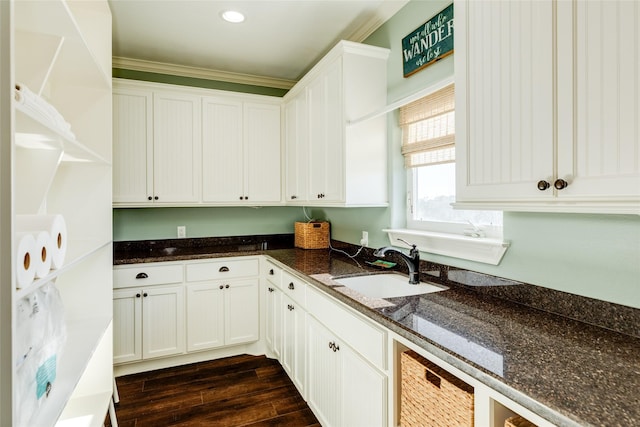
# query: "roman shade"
{"type": "Point", "coordinates": [428, 129]}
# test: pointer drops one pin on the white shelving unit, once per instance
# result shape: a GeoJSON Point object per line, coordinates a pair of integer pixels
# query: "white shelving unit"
{"type": "Point", "coordinates": [61, 51]}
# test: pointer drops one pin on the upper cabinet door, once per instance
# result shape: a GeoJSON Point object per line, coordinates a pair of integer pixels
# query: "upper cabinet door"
{"type": "Point", "coordinates": [262, 173]}
{"type": "Point", "coordinates": [598, 91]}
{"type": "Point", "coordinates": [296, 148]}
{"type": "Point", "coordinates": [504, 65]}
{"type": "Point", "coordinates": [177, 150]}
{"type": "Point", "coordinates": [132, 146]}
{"type": "Point", "coordinates": [326, 135]}
{"type": "Point", "coordinates": [222, 150]}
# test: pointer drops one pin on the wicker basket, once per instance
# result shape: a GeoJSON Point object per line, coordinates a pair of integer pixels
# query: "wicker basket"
{"type": "Point", "coordinates": [518, 421]}
{"type": "Point", "coordinates": [311, 235]}
{"type": "Point", "coordinates": [431, 396]}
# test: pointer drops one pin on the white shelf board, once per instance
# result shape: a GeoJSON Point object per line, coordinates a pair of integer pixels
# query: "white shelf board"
{"type": "Point", "coordinates": [479, 249]}
{"type": "Point", "coordinates": [77, 62]}
{"type": "Point", "coordinates": [77, 251]}
{"type": "Point", "coordinates": [83, 337]}
{"type": "Point", "coordinates": [81, 412]}
{"type": "Point", "coordinates": [33, 133]}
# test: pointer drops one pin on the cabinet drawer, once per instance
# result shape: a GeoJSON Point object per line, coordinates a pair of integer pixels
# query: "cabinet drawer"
{"type": "Point", "coordinates": [367, 339]}
{"type": "Point", "coordinates": [295, 288]}
{"type": "Point", "coordinates": [145, 274]}
{"type": "Point", "coordinates": [274, 274]}
{"type": "Point", "coordinates": [223, 269]}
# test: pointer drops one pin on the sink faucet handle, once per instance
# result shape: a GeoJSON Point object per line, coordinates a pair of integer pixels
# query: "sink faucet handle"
{"type": "Point", "coordinates": [404, 241]}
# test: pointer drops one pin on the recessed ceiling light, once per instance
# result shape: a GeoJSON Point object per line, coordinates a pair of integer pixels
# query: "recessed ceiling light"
{"type": "Point", "coordinates": [232, 16]}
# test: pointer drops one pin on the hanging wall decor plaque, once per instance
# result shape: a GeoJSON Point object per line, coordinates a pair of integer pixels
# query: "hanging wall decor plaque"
{"type": "Point", "coordinates": [428, 43]}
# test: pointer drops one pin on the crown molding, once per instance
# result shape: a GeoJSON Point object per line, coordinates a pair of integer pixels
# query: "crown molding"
{"type": "Point", "coordinates": [199, 73]}
{"type": "Point", "coordinates": [385, 11]}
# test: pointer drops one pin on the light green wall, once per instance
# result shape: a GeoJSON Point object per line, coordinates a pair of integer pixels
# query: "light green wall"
{"type": "Point", "coordinates": [161, 223]}
{"type": "Point", "coordinates": [592, 255]}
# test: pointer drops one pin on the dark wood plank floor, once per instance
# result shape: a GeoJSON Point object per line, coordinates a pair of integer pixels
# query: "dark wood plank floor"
{"type": "Point", "coordinates": [235, 391]}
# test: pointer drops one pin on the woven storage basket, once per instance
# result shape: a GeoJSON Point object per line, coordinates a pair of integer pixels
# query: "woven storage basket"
{"type": "Point", "coordinates": [518, 421]}
{"type": "Point", "coordinates": [311, 235]}
{"type": "Point", "coordinates": [431, 396]}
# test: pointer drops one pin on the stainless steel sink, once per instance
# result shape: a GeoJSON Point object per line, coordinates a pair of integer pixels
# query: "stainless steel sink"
{"type": "Point", "coordinates": [388, 285]}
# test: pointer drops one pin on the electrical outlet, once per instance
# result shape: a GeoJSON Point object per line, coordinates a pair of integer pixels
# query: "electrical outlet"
{"type": "Point", "coordinates": [365, 238]}
{"type": "Point", "coordinates": [182, 231]}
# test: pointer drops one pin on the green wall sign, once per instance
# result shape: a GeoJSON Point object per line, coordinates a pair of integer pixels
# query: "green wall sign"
{"type": "Point", "coordinates": [428, 43]}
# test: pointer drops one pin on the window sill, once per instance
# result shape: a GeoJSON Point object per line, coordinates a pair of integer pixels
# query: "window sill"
{"type": "Point", "coordinates": [479, 249]}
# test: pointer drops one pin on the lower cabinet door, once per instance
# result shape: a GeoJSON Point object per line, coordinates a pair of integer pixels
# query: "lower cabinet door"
{"type": "Point", "coordinates": [322, 386]}
{"type": "Point", "coordinates": [242, 311]}
{"type": "Point", "coordinates": [273, 329]}
{"type": "Point", "coordinates": [343, 389]}
{"type": "Point", "coordinates": [205, 316]}
{"type": "Point", "coordinates": [363, 392]}
{"type": "Point", "coordinates": [294, 342]}
{"type": "Point", "coordinates": [163, 321]}
{"type": "Point", "coordinates": [127, 325]}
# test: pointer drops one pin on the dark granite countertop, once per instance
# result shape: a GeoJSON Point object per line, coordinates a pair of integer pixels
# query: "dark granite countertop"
{"type": "Point", "coordinates": [569, 372]}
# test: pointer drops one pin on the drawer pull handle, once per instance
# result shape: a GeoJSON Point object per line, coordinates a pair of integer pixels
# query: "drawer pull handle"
{"type": "Point", "coordinates": [432, 378]}
{"type": "Point", "coordinates": [142, 276]}
{"type": "Point", "coordinates": [223, 269]}
{"type": "Point", "coordinates": [291, 286]}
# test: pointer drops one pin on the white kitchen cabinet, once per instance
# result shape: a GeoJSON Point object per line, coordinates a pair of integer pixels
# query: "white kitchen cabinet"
{"type": "Point", "coordinates": [157, 145]}
{"type": "Point", "coordinates": [222, 303]}
{"type": "Point", "coordinates": [342, 388]}
{"type": "Point", "coordinates": [148, 323]}
{"type": "Point", "coordinates": [545, 106]}
{"type": "Point", "coordinates": [296, 148]}
{"type": "Point", "coordinates": [274, 314]}
{"type": "Point", "coordinates": [347, 162]}
{"type": "Point", "coordinates": [241, 151]}
{"type": "Point", "coordinates": [132, 145]}
{"type": "Point", "coordinates": [176, 147]}
{"type": "Point", "coordinates": [294, 353]}
{"type": "Point", "coordinates": [222, 314]}
{"type": "Point", "coordinates": [61, 52]}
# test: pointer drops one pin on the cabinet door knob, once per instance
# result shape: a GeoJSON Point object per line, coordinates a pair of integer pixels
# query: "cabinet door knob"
{"type": "Point", "coordinates": [560, 184]}
{"type": "Point", "coordinates": [291, 286]}
{"type": "Point", "coordinates": [294, 197]}
{"type": "Point", "coordinates": [226, 286]}
{"type": "Point", "coordinates": [145, 295]}
{"type": "Point", "coordinates": [221, 287]}
{"type": "Point", "coordinates": [156, 198]}
{"type": "Point", "coordinates": [223, 269]}
{"type": "Point", "coordinates": [150, 198]}
{"type": "Point", "coordinates": [271, 272]}
{"type": "Point", "coordinates": [141, 276]}
{"type": "Point", "coordinates": [543, 185]}
{"type": "Point", "coordinates": [137, 295]}
{"type": "Point", "coordinates": [270, 289]}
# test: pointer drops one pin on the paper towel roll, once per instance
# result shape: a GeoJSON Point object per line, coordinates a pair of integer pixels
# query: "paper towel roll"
{"type": "Point", "coordinates": [57, 229]}
{"type": "Point", "coordinates": [24, 248]}
{"type": "Point", "coordinates": [42, 254]}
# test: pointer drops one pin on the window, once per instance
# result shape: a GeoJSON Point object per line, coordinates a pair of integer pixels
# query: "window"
{"type": "Point", "coordinates": [428, 147]}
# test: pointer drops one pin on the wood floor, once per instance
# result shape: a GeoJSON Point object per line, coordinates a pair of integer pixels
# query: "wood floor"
{"type": "Point", "coordinates": [236, 391]}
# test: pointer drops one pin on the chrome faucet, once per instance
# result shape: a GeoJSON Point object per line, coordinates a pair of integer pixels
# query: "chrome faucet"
{"type": "Point", "coordinates": [412, 260]}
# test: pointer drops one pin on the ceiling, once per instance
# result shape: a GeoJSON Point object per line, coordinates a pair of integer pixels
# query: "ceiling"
{"type": "Point", "coordinates": [279, 41]}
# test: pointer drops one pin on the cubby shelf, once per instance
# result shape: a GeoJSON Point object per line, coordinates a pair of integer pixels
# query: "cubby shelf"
{"type": "Point", "coordinates": [78, 252]}
{"type": "Point", "coordinates": [60, 163]}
